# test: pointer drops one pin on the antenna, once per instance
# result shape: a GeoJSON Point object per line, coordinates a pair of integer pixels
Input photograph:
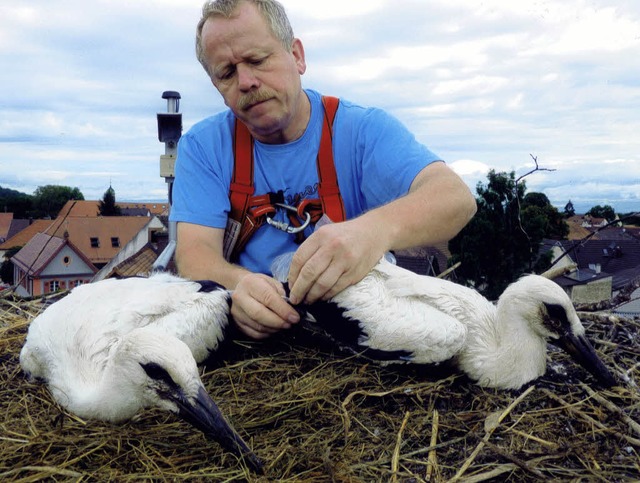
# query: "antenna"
{"type": "Point", "coordinates": [169, 132]}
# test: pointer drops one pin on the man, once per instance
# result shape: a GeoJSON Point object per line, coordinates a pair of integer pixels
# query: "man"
{"type": "Point", "coordinates": [396, 193]}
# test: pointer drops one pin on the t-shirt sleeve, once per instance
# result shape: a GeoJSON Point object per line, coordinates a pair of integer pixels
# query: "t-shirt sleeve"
{"type": "Point", "coordinates": [201, 188]}
{"type": "Point", "coordinates": [391, 157]}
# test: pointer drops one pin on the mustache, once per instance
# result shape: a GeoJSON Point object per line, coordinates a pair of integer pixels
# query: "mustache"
{"type": "Point", "coordinates": [254, 97]}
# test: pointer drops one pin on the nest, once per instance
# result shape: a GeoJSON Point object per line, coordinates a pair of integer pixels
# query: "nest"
{"type": "Point", "coordinates": [314, 415]}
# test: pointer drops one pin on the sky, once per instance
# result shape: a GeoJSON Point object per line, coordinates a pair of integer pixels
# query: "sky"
{"type": "Point", "coordinates": [485, 84]}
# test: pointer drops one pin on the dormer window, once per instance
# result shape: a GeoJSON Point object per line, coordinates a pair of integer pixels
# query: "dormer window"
{"type": "Point", "coordinates": [95, 242]}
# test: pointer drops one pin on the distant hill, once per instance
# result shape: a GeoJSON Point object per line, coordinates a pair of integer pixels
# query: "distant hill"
{"type": "Point", "coordinates": [16, 202]}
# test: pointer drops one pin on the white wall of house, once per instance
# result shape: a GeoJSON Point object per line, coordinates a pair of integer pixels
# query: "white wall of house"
{"type": "Point", "coordinates": [66, 263]}
{"type": "Point", "coordinates": [592, 292]}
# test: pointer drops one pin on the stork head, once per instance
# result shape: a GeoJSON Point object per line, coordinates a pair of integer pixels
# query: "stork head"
{"type": "Point", "coordinates": [551, 314]}
{"type": "Point", "coordinates": [159, 370]}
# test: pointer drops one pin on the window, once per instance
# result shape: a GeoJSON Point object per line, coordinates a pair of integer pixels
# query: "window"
{"type": "Point", "coordinates": [54, 286]}
{"type": "Point", "coordinates": [95, 242]}
{"type": "Point", "coordinates": [66, 261]}
{"type": "Point", "coordinates": [115, 241]}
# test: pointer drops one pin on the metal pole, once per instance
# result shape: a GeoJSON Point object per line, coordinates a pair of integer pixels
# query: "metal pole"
{"type": "Point", "coordinates": [169, 132]}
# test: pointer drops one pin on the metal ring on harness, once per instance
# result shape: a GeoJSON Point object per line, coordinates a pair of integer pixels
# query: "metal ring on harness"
{"type": "Point", "coordinates": [286, 227]}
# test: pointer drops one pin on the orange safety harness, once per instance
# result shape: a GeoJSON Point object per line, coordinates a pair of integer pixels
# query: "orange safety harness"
{"type": "Point", "coordinates": [249, 212]}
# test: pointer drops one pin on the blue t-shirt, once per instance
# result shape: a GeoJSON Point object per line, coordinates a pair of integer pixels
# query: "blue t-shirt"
{"type": "Point", "coordinates": [376, 161]}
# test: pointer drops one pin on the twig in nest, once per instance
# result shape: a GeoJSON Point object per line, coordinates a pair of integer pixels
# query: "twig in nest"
{"type": "Point", "coordinates": [633, 425]}
{"type": "Point", "coordinates": [395, 461]}
{"type": "Point", "coordinates": [517, 461]}
{"type": "Point", "coordinates": [590, 420]}
{"type": "Point", "coordinates": [490, 428]}
{"type": "Point", "coordinates": [432, 461]}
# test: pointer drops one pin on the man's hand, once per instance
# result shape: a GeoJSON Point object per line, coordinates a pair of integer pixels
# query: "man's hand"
{"type": "Point", "coordinates": [259, 308]}
{"type": "Point", "coordinates": [334, 257]}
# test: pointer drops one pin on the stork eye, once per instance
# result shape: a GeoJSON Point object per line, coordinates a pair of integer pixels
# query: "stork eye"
{"type": "Point", "coordinates": [556, 318]}
{"type": "Point", "coordinates": [157, 372]}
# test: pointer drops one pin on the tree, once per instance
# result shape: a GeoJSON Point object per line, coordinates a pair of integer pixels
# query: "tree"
{"type": "Point", "coordinates": [107, 206]}
{"type": "Point", "coordinates": [6, 267]}
{"type": "Point", "coordinates": [12, 201]}
{"type": "Point", "coordinates": [48, 200]}
{"type": "Point", "coordinates": [605, 211]}
{"type": "Point", "coordinates": [551, 221]}
{"type": "Point", "coordinates": [503, 240]}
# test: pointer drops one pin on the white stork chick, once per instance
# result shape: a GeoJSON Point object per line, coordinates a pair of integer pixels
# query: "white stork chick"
{"type": "Point", "coordinates": [395, 315]}
{"type": "Point", "coordinates": [112, 348]}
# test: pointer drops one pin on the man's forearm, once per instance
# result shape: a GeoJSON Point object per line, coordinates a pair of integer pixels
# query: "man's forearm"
{"type": "Point", "coordinates": [434, 211]}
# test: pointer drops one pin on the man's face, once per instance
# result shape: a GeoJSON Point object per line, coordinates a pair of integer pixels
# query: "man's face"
{"type": "Point", "coordinates": [258, 78]}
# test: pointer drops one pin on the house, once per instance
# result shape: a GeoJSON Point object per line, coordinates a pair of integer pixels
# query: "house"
{"type": "Point", "coordinates": [424, 260]}
{"type": "Point", "coordinates": [47, 264]}
{"type": "Point", "coordinates": [138, 256]}
{"type": "Point", "coordinates": [101, 238]}
{"type": "Point", "coordinates": [71, 249]}
{"type": "Point", "coordinates": [152, 209]}
{"type": "Point", "coordinates": [604, 267]}
{"type": "Point", "coordinates": [91, 208]}
{"type": "Point", "coordinates": [5, 225]}
{"type": "Point", "coordinates": [21, 238]}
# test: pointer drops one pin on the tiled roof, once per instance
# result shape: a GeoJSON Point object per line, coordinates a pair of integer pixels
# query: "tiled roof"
{"type": "Point", "coordinates": [153, 208]}
{"type": "Point", "coordinates": [620, 258]}
{"type": "Point", "coordinates": [139, 264]}
{"type": "Point", "coordinates": [38, 252]}
{"type": "Point", "coordinates": [80, 208]}
{"type": "Point", "coordinates": [98, 238]}
{"type": "Point", "coordinates": [439, 253]}
{"type": "Point", "coordinates": [17, 225]}
{"type": "Point", "coordinates": [22, 237]}
{"type": "Point", "coordinates": [576, 230]}
{"type": "Point", "coordinates": [5, 224]}
{"type": "Point", "coordinates": [92, 208]}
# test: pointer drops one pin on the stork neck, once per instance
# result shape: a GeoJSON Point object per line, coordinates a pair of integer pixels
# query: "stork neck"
{"type": "Point", "coordinates": [503, 352]}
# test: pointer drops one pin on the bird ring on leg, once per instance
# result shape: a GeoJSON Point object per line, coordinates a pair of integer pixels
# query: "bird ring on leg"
{"type": "Point", "coordinates": [286, 227]}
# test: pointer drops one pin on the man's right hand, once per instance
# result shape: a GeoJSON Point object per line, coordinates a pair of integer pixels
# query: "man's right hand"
{"type": "Point", "coordinates": [259, 308]}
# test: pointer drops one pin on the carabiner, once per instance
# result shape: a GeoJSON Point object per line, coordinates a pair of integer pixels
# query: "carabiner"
{"type": "Point", "coordinates": [286, 227]}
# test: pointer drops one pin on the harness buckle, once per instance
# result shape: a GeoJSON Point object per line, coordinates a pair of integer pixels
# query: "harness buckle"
{"type": "Point", "coordinates": [286, 227]}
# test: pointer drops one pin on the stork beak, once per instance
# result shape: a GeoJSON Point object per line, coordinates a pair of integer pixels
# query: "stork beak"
{"type": "Point", "coordinates": [205, 415]}
{"type": "Point", "coordinates": [581, 350]}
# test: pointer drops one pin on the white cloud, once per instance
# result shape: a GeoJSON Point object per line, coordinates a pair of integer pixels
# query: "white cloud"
{"type": "Point", "coordinates": [483, 84]}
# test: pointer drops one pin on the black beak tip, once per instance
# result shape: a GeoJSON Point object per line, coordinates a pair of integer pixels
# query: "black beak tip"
{"type": "Point", "coordinates": [254, 463]}
{"type": "Point", "coordinates": [581, 350]}
{"type": "Point", "coordinates": [606, 380]}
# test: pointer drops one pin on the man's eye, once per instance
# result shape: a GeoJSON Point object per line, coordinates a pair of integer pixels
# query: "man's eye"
{"type": "Point", "coordinates": [226, 76]}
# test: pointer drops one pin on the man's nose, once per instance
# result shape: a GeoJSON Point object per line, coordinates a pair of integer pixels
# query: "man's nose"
{"type": "Point", "coordinates": [247, 79]}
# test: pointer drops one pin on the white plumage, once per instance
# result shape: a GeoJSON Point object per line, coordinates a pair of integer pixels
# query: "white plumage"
{"type": "Point", "coordinates": [396, 315]}
{"type": "Point", "coordinates": [109, 349]}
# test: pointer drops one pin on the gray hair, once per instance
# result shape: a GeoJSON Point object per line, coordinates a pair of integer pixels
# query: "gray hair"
{"type": "Point", "coordinates": [271, 10]}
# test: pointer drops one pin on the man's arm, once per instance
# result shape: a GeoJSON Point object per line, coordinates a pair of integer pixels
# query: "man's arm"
{"type": "Point", "coordinates": [336, 256]}
{"type": "Point", "coordinates": [257, 307]}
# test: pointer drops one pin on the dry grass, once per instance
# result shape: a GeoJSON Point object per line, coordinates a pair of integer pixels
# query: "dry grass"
{"type": "Point", "coordinates": [313, 416]}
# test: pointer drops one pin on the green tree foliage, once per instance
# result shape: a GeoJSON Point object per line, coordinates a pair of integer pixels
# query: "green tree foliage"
{"type": "Point", "coordinates": [107, 206]}
{"type": "Point", "coordinates": [605, 211]}
{"type": "Point", "coordinates": [6, 267]}
{"type": "Point", "coordinates": [48, 200]}
{"type": "Point", "coordinates": [502, 241]}
{"type": "Point", "coordinates": [12, 201]}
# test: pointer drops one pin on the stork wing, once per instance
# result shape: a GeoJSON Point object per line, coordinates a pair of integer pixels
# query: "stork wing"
{"type": "Point", "coordinates": [394, 321]}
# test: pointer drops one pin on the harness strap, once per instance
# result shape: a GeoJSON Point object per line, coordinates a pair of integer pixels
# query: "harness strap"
{"type": "Point", "coordinates": [247, 212]}
{"type": "Point", "coordinates": [328, 190]}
